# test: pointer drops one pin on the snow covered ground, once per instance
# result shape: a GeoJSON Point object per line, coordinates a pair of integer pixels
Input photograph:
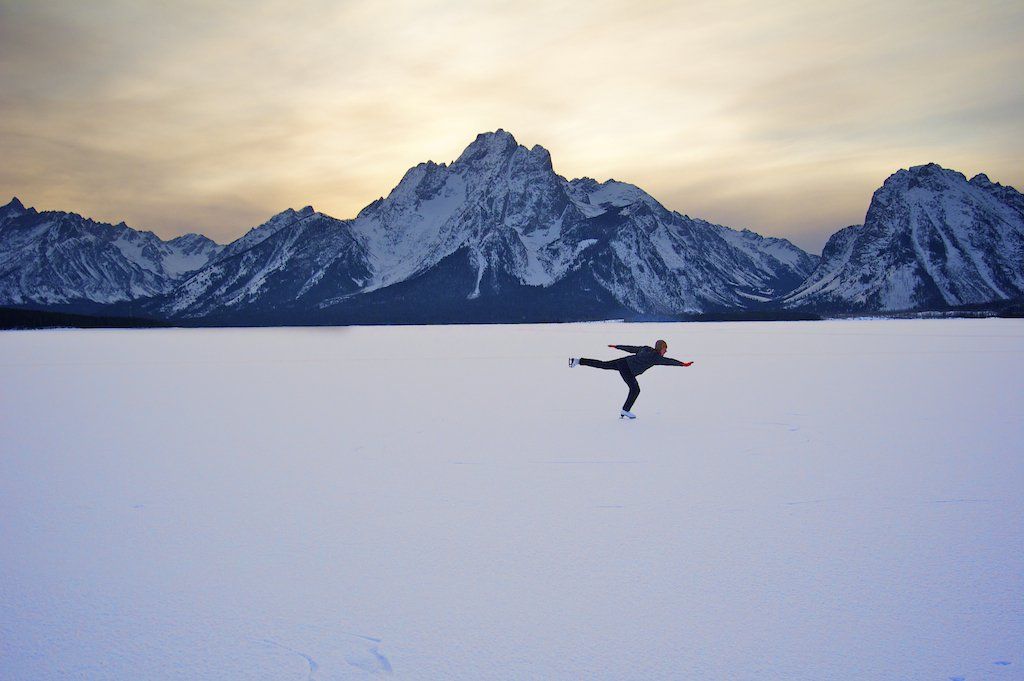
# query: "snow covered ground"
{"type": "Point", "coordinates": [832, 500]}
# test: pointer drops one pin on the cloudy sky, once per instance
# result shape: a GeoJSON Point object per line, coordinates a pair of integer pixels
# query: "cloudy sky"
{"type": "Point", "coordinates": [781, 117]}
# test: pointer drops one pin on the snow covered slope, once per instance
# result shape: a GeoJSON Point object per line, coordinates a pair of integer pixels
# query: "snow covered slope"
{"type": "Point", "coordinates": [295, 257]}
{"type": "Point", "coordinates": [930, 240]}
{"type": "Point", "coordinates": [826, 501]}
{"type": "Point", "coordinates": [55, 258]}
{"type": "Point", "coordinates": [497, 235]}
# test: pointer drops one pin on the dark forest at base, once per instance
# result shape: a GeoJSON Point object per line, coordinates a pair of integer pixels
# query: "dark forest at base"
{"type": "Point", "coordinates": [27, 318]}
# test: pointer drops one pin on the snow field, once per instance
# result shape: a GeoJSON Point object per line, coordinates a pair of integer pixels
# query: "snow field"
{"type": "Point", "coordinates": [827, 500]}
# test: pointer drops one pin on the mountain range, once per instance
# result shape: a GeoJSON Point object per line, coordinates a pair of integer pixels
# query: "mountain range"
{"type": "Point", "coordinates": [499, 236]}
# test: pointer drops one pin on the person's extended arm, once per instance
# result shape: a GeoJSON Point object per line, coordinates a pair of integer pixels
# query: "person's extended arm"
{"type": "Point", "coordinates": [668, 361]}
{"type": "Point", "coordinates": [627, 348]}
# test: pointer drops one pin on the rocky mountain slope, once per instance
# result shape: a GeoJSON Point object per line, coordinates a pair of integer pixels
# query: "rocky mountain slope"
{"type": "Point", "coordinates": [60, 259]}
{"type": "Point", "coordinates": [931, 240]}
{"type": "Point", "coordinates": [498, 235]}
{"type": "Point", "coordinates": [495, 235]}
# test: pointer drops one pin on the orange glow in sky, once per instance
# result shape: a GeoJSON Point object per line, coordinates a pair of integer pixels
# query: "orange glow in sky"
{"type": "Point", "coordinates": [780, 117]}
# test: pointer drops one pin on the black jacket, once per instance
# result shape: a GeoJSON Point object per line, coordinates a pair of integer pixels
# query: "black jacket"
{"type": "Point", "coordinates": [644, 357]}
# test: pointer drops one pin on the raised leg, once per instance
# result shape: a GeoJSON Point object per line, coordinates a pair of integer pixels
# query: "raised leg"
{"type": "Point", "coordinates": [598, 364]}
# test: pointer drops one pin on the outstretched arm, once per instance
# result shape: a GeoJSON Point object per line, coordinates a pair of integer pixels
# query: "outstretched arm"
{"type": "Point", "coordinates": [668, 361]}
{"type": "Point", "coordinates": [627, 348]}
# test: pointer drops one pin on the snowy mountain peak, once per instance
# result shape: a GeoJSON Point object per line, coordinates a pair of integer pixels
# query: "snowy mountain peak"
{"type": "Point", "coordinates": [193, 240]}
{"type": "Point", "coordinates": [14, 208]}
{"type": "Point", "coordinates": [413, 178]}
{"type": "Point", "coordinates": [370, 207]}
{"type": "Point", "coordinates": [930, 240]}
{"type": "Point", "coordinates": [498, 227]}
{"type": "Point", "coordinates": [288, 215]}
{"type": "Point", "coordinates": [488, 146]}
{"type": "Point", "coordinates": [541, 156]}
{"type": "Point", "coordinates": [1002, 191]}
{"type": "Point", "coordinates": [283, 220]}
{"type": "Point", "coordinates": [593, 197]}
{"type": "Point", "coordinates": [57, 258]}
{"type": "Point", "coordinates": [930, 176]}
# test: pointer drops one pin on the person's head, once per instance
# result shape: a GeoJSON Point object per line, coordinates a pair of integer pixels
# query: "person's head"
{"type": "Point", "coordinates": [661, 347]}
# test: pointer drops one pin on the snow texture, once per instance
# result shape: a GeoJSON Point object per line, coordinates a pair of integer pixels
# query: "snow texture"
{"type": "Point", "coordinates": [808, 501]}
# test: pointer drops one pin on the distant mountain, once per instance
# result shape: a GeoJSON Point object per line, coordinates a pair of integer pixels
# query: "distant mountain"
{"type": "Point", "coordinates": [931, 240]}
{"type": "Point", "coordinates": [495, 236]}
{"type": "Point", "coordinates": [498, 235]}
{"type": "Point", "coordinates": [55, 259]}
{"type": "Point", "coordinates": [273, 273]}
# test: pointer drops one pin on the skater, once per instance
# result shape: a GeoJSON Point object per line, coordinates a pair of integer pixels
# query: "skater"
{"type": "Point", "coordinates": [642, 358]}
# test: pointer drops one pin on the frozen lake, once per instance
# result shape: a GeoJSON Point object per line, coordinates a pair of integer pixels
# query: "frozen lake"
{"type": "Point", "coordinates": [828, 500]}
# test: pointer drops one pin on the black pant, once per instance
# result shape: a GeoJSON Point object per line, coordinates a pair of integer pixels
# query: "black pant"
{"type": "Point", "coordinates": [623, 368]}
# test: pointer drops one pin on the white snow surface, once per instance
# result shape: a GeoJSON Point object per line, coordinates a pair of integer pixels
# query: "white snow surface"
{"type": "Point", "coordinates": [827, 500]}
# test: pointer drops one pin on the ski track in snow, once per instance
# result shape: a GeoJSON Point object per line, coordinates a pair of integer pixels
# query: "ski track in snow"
{"type": "Point", "coordinates": [313, 666]}
{"type": "Point", "coordinates": [368, 658]}
{"type": "Point", "coordinates": [374, 662]}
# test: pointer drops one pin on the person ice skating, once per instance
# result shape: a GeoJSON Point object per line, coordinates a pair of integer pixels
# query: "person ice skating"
{"type": "Point", "coordinates": [642, 358]}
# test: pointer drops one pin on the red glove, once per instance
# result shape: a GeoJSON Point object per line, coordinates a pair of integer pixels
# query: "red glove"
{"type": "Point", "coordinates": [686, 364]}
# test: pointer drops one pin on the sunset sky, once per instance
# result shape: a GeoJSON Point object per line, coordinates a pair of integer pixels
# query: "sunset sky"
{"type": "Point", "coordinates": [781, 117]}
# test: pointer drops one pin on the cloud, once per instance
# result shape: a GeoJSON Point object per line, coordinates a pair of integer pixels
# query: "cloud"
{"type": "Point", "coordinates": [781, 118]}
